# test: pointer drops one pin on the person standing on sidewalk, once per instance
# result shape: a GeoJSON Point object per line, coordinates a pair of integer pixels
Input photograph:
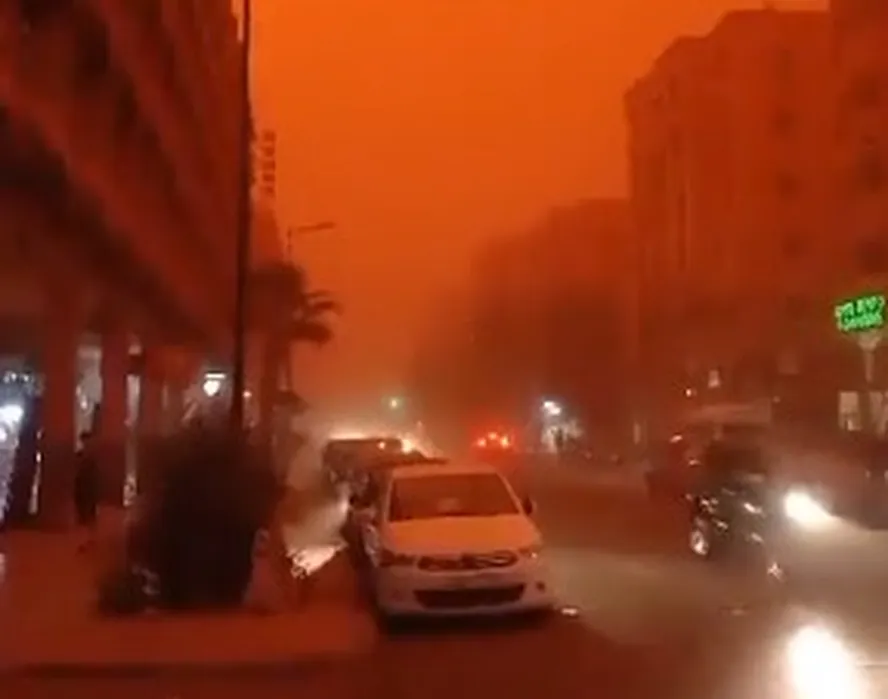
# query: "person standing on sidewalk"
{"type": "Point", "coordinates": [86, 490]}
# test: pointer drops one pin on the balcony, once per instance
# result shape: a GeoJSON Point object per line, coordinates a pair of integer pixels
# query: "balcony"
{"type": "Point", "coordinates": [91, 142]}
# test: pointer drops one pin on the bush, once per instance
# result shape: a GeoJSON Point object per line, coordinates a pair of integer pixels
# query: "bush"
{"type": "Point", "coordinates": [205, 495]}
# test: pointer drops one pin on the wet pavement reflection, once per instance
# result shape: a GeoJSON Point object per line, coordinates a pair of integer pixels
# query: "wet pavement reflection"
{"type": "Point", "coordinates": [313, 544]}
{"type": "Point", "coordinates": [639, 618]}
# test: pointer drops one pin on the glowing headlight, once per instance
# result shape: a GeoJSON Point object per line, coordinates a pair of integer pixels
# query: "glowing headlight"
{"type": "Point", "coordinates": [11, 413]}
{"type": "Point", "coordinates": [530, 551]}
{"type": "Point", "coordinates": [802, 509]}
{"type": "Point", "coordinates": [821, 666]}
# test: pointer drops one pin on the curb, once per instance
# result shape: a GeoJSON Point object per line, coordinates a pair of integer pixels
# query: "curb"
{"type": "Point", "coordinates": [300, 666]}
{"type": "Point", "coordinates": [278, 661]}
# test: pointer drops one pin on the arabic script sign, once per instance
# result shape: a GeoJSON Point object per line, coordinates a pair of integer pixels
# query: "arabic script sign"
{"type": "Point", "coordinates": [861, 313]}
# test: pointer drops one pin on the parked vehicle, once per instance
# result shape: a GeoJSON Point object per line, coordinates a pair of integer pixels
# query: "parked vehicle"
{"type": "Point", "coordinates": [340, 457]}
{"type": "Point", "coordinates": [454, 539]}
{"type": "Point", "coordinates": [365, 492]}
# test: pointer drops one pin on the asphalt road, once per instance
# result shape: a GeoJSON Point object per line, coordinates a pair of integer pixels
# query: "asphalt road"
{"type": "Point", "coordinates": [640, 619]}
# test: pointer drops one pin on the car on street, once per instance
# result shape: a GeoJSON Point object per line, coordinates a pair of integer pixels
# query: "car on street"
{"type": "Point", "coordinates": [363, 499]}
{"type": "Point", "coordinates": [672, 467]}
{"type": "Point", "coordinates": [672, 464]}
{"type": "Point", "coordinates": [454, 539]}
{"type": "Point", "coordinates": [738, 504]}
{"type": "Point", "coordinates": [341, 458]}
{"type": "Point", "coordinates": [495, 446]}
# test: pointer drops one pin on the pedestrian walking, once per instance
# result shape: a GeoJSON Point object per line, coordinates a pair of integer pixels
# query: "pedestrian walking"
{"type": "Point", "coordinates": [86, 490]}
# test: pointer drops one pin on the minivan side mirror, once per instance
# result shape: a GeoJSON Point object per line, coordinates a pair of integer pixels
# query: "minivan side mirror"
{"type": "Point", "coordinates": [528, 505]}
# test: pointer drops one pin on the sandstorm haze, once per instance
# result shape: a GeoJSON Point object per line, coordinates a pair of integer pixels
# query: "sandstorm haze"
{"type": "Point", "coordinates": [423, 127]}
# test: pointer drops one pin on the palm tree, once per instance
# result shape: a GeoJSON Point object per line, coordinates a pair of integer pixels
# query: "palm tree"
{"type": "Point", "coordinates": [284, 312]}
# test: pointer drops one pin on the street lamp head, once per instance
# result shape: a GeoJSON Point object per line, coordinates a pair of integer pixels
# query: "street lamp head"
{"type": "Point", "coordinates": [552, 409]}
{"type": "Point", "coordinates": [314, 227]}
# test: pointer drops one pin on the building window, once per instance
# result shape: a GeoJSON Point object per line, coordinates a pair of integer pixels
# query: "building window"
{"type": "Point", "coordinates": [784, 63]}
{"type": "Point", "coordinates": [681, 219]}
{"type": "Point", "coordinates": [784, 123]}
{"type": "Point", "coordinates": [671, 89]}
{"type": "Point", "coordinates": [127, 111]}
{"type": "Point", "coordinates": [46, 175]}
{"type": "Point", "coordinates": [871, 175]}
{"type": "Point", "coordinates": [795, 306]}
{"type": "Point", "coordinates": [850, 16]}
{"type": "Point", "coordinates": [721, 60]}
{"type": "Point", "coordinates": [872, 255]}
{"type": "Point", "coordinates": [793, 246]}
{"type": "Point", "coordinates": [787, 185]}
{"type": "Point", "coordinates": [93, 57]}
{"type": "Point", "coordinates": [676, 141]}
{"type": "Point", "coordinates": [866, 91]}
{"type": "Point", "coordinates": [150, 11]}
{"type": "Point", "coordinates": [36, 13]}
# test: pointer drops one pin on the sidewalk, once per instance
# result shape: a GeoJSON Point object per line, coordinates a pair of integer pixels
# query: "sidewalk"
{"type": "Point", "coordinates": [48, 619]}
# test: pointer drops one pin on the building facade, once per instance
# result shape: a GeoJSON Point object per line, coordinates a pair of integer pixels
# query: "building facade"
{"type": "Point", "coordinates": [120, 127]}
{"type": "Point", "coordinates": [860, 36]}
{"type": "Point", "coordinates": [730, 148]}
{"type": "Point", "coordinates": [549, 311]}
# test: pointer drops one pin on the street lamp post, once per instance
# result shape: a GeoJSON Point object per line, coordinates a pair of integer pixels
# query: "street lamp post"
{"type": "Point", "coordinates": [306, 228]}
{"type": "Point", "coordinates": [245, 219]}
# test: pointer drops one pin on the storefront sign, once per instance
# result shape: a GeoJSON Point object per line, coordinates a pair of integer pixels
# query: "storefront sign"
{"type": "Point", "coordinates": [861, 313]}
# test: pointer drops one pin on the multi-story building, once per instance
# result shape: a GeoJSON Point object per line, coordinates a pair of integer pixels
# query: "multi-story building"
{"type": "Point", "coordinates": [729, 146]}
{"type": "Point", "coordinates": [120, 128]}
{"type": "Point", "coordinates": [550, 312]}
{"type": "Point", "coordinates": [860, 34]}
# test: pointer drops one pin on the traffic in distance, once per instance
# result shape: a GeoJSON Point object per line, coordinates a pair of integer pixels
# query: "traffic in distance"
{"type": "Point", "coordinates": [432, 536]}
{"type": "Point", "coordinates": [748, 490]}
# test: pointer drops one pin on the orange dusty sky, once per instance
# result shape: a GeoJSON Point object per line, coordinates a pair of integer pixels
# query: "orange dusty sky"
{"type": "Point", "coordinates": [423, 126]}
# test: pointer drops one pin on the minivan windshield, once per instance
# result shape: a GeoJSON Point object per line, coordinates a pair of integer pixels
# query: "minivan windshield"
{"type": "Point", "coordinates": [450, 495]}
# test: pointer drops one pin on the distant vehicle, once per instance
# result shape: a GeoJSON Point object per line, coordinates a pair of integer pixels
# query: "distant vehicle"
{"type": "Point", "coordinates": [453, 539]}
{"type": "Point", "coordinates": [672, 467]}
{"type": "Point", "coordinates": [673, 464]}
{"type": "Point", "coordinates": [340, 457]}
{"type": "Point", "coordinates": [854, 468]}
{"type": "Point", "coordinates": [366, 491]}
{"type": "Point", "coordinates": [494, 446]}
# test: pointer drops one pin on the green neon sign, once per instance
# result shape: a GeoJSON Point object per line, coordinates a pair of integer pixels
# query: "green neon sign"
{"type": "Point", "coordinates": [861, 313]}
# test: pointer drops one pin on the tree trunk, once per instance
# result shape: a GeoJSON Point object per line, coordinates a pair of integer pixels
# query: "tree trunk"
{"type": "Point", "coordinates": [268, 390]}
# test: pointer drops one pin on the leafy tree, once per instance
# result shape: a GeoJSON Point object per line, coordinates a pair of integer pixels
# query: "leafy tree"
{"type": "Point", "coordinates": [284, 311]}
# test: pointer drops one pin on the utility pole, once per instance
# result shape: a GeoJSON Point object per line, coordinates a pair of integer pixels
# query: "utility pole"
{"type": "Point", "coordinates": [245, 220]}
{"type": "Point", "coordinates": [306, 228]}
